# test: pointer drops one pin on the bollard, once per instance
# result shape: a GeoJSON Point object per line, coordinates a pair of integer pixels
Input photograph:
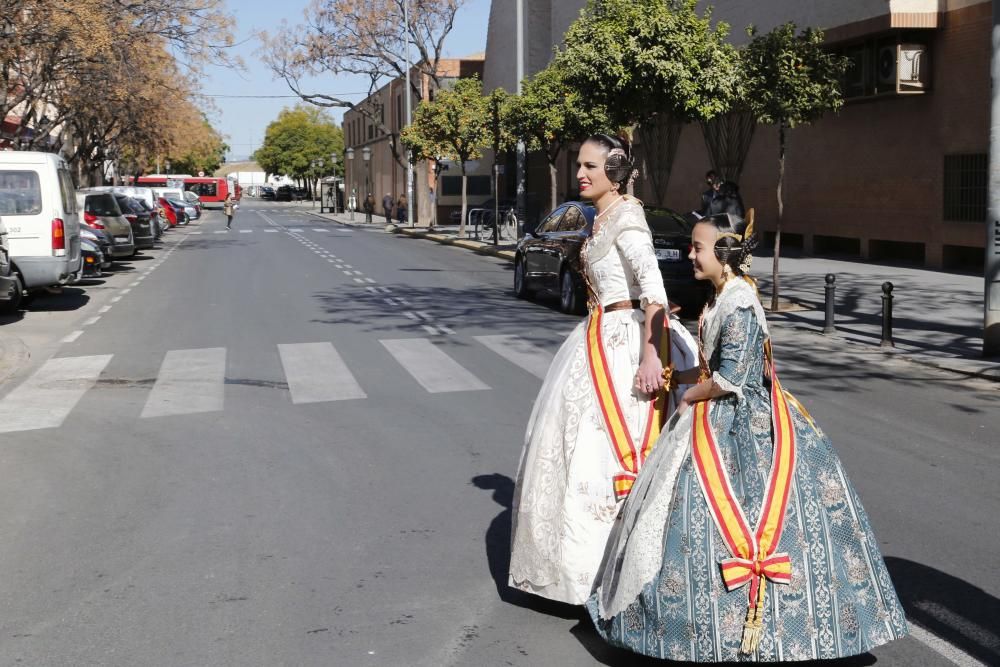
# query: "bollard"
{"type": "Point", "coordinates": [831, 292]}
{"type": "Point", "coordinates": [887, 315]}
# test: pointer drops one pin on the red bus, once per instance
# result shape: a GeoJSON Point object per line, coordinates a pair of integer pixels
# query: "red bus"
{"type": "Point", "coordinates": [212, 191]}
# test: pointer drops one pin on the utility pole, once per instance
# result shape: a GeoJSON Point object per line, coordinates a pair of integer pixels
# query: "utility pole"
{"type": "Point", "coordinates": [991, 326]}
{"type": "Point", "coordinates": [520, 150]}
{"type": "Point", "coordinates": [410, 203]}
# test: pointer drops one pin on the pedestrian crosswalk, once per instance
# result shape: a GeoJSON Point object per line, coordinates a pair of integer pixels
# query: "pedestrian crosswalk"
{"type": "Point", "coordinates": [194, 381]}
{"type": "Point", "coordinates": [336, 231]}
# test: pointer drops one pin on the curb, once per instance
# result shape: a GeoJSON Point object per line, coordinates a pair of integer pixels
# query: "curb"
{"type": "Point", "coordinates": [477, 247]}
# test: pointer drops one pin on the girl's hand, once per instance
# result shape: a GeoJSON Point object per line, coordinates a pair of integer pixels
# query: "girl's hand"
{"type": "Point", "coordinates": [649, 378]}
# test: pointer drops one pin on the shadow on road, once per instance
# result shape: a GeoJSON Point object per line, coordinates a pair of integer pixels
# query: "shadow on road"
{"type": "Point", "coordinates": [962, 614]}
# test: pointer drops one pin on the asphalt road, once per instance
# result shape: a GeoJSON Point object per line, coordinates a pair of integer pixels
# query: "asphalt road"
{"type": "Point", "coordinates": [294, 443]}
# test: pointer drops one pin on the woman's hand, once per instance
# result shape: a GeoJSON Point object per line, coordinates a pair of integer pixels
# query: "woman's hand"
{"type": "Point", "coordinates": [649, 378]}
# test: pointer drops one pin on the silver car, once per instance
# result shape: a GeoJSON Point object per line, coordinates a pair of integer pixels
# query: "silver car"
{"type": "Point", "coordinates": [101, 211]}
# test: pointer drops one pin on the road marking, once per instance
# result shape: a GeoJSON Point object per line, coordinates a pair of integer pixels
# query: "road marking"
{"type": "Point", "coordinates": [369, 280]}
{"type": "Point", "coordinates": [411, 315]}
{"type": "Point", "coordinates": [373, 290]}
{"type": "Point", "coordinates": [295, 231]}
{"type": "Point", "coordinates": [359, 280]}
{"type": "Point", "coordinates": [92, 320]}
{"type": "Point", "coordinates": [319, 229]}
{"type": "Point", "coordinates": [431, 367]}
{"type": "Point", "coordinates": [520, 352]}
{"type": "Point", "coordinates": [384, 290]}
{"type": "Point", "coordinates": [403, 301]}
{"type": "Point", "coordinates": [73, 336]}
{"type": "Point", "coordinates": [104, 309]}
{"type": "Point", "coordinates": [317, 373]}
{"type": "Point", "coordinates": [246, 231]}
{"type": "Point", "coordinates": [116, 299]}
{"type": "Point", "coordinates": [134, 283]}
{"type": "Point", "coordinates": [392, 302]}
{"type": "Point", "coordinates": [270, 231]}
{"type": "Point", "coordinates": [347, 273]}
{"type": "Point", "coordinates": [196, 233]}
{"type": "Point", "coordinates": [46, 398]}
{"type": "Point", "coordinates": [424, 314]}
{"type": "Point", "coordinates": [348, 266]}
{"type": "Point", "coordinates": [189, 381]}
{"type": "Point", "coordinates": [447, 330]}
{"type": "Point", "coordinates": [951, 653]}
{"type": "Point", "coordinates": [126, 291]}
{"type": "Point", "coordinates": [221, 231]}
{"type": "Point", "coordinates": [429, 329]}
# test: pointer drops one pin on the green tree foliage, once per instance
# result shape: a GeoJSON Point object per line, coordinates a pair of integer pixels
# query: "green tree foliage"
{"type": "Point", "coordinates": [640, 57]}
{"type": "Point", "coordinates": [550, 113]}
{"type": "Point", "coordinates": [296, 138]}
{"type": "Point", "coordinates": [454, 126]}
{"type": "Point", "coordinates": [203, 149]}
{"type": "Point", "coordinates": [791, 81]}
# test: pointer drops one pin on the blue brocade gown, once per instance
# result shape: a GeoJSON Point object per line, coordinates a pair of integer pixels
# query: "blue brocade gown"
{"type": "Point", "coordinates": [661, 592]}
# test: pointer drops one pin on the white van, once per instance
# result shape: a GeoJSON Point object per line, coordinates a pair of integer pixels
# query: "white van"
{"type": "Point", "coordinates": [38, 206]}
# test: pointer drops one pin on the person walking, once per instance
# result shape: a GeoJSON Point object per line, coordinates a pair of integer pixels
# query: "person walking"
{"type": "Point", "coordinates": [604, 397]}
{"type": "Point", "coordinates": [228, 206]}
{"type": "Point", "coordinates": [369, 206]}
{"type": "Point", "coordinates": [714, 182]}
{"type": "Point", "coordinates": [401, 209]}
{"type": "Point", "coordinates": [387, 207]}
{"type": "Point", "coordinates": [743, 539]}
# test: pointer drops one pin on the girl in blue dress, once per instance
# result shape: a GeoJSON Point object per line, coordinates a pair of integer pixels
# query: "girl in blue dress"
{"type": "Point", "coordinates": [742, 540]}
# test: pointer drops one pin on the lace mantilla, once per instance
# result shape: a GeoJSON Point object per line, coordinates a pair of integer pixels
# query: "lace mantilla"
{"type": "Point", "coordinates": [626, 215]}
{"type": "Point", "coordinates": [736, 294]}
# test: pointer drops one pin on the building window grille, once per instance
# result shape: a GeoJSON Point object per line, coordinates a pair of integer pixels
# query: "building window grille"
{"type": "Point", "coordinates": [965, 187]}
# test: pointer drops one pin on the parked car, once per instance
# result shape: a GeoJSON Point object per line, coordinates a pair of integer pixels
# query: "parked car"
{"type": "Point", "coordinates": [267, 192]}
{"type": "Point", "coordinates": [547, 259]}
{"type": "Point", "coordinates": [300, 194]}
{"type": "Point", "coordinates": [195, 201]}
{"type": "Point", "coordinates": [101, 240]}
{"type": "Point", "coordinates": [173, 212]}
{"type": "Point", "coordinates": [284, 193]}
{"type": "Point", "coordinates": [39, 209]}
{"type": "Point", "coordinates": [93, 259]}
{"type": "Point", "coordinates": [101, 211]}
{"type": "Point", "coordinates": [188, 210]}
{"type": "Point", "coordinates": [139, 219]}
{"type": "Point", "coordinates": [8, 282]}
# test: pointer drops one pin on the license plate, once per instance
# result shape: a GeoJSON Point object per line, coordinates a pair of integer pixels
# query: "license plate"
{"type": "Point", "coordinates": [122, 239]}
{"type": "Point", "coordinates": [669, 254]}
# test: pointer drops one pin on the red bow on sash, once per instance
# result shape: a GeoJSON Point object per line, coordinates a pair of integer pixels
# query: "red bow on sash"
{"type": "Point", "coordinates": [738, 572]}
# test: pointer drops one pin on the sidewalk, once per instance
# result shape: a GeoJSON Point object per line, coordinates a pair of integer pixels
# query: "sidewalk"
{"type": "Point", "coordinates": [937, 316]}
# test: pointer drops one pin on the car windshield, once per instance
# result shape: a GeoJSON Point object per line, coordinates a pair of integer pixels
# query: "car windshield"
{"type": "Point", "coordinates": [664, 222]}
{"type": "Point", "coordinates": [20, 193]}
{"type": "Point", "coordinates": [102, 204]}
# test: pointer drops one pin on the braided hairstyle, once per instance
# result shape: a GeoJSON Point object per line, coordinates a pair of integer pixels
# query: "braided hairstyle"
{"type": "Point", "coordinates": [620, 165]}
{"type": "Point", "coordinates": [734, 245]}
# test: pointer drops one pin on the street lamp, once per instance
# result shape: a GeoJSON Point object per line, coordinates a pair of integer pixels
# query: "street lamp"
{"type": "Point", "coordinates": [366, 155]}
{"type": "Point", "coordinates": [349, 153]}
{"type": "Point", "coordinates": [333, 169]}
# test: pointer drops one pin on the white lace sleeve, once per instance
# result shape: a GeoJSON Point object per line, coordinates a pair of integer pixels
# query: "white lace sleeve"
{"type": "Point", "coordinates": [637, 249]}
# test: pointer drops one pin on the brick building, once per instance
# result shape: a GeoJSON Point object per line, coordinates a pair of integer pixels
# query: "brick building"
{"type": "Point", "coordinates": [382, 174]}
{"type": "Point", "coordinates": [898, 174]}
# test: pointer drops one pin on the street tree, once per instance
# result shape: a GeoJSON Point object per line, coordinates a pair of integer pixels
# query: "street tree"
{"type": "Point", "coordinates": [791, 81]}
{"type": "Point", "coordinates": [637, 58]}
{"type": "Point", "coordinates": [296, 139]}
{"type": "Point", "coordinates": [366, 38]}
{"type": "Point", "coordinates": [454, 126]}
{"type": "Point", "coordinates": [550, 113]}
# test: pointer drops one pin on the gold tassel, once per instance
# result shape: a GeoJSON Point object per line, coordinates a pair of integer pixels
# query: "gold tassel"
{"type": "Point", "coordinates": [753, 627]}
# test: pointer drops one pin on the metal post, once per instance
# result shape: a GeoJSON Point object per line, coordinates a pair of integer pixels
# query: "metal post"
{"type": "Point", "coordinates": [991, 323]}
{"type": "Point", "coordinates": [887, 315]}
{"type": "Point", "coordinates": [520, 150]}
{"type": "Point", "coordinates": [831, 293]}
{"type": "Point", "coordinates": [410, 204]}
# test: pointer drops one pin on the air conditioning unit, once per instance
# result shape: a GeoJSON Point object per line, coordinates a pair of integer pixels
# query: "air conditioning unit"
{"type": "Point", "coordinates": [902, 68]}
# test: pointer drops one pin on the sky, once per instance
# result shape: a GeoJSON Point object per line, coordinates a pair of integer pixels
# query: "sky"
{"type": "Point", "coordinates": [243, 120]}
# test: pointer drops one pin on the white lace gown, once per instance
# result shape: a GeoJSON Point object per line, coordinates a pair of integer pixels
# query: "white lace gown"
{"type": "Point", "coordinates": [564, 501]}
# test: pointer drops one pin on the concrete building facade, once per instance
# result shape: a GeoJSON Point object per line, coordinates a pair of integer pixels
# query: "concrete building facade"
{"type": "Point", "coordinates": [898, 174]}
{"type": "Point", "coordinates": [382, 174]}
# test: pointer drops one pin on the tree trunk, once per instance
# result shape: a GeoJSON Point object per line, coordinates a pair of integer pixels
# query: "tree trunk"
{"type": "Point", "coordinates": [553, 179]}
{"type": "Point", "coordinates": [781, 211]}
{"type": "Point", "coordinates": [465, 204]}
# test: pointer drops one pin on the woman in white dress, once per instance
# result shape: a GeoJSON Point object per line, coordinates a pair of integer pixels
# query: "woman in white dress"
{"type": "Point", "coordinates": [605, 395]}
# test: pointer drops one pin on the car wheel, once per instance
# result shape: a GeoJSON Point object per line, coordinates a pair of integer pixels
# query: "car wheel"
{"type": "Point", "coordinates": [521, 290]}
{"type": "Point", "coordinates": [17, 299]}
{"type": "Point", "coordinates": [569, 301]}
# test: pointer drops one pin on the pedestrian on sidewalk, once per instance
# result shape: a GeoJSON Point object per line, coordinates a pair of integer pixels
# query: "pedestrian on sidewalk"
{"type": "Point", "coordinates": [228, 206]}
{"type": "Point", "coordinates": [603, 398]}
{"type": "Point", "coordinates": [369, 206]}
{"type": "Point", "coordinates": [401, 209]}
{"type": "Point", "coordinates": [387, 207]}
{"type": "Point", "coordinates": [743, 522]}
{"type": "Point", "coordinates": [714, 182]}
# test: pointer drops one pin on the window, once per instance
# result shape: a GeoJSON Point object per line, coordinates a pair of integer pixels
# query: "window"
{"type": "Point", "coordinates": [551, 223]}
{"type": "Point", "coordinates": [103, 205]}
{"type": "Point", "coordinates": [478, 186]}
{"type": "Point", "coordinates": [67, 191]}
{"type": "Point", "coordinates": [965, 187]}
{"type": "Point", "coordinates": [203, 189]}
{"type": "Point", "coordinates": [573, 220]}
{"type": "Point", "coordinates": [371, 131]}
{"type": "Point", "coordinates": [20, 193]}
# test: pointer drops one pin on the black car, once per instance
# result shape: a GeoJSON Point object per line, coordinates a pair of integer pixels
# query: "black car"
{"type": "Point", "coordinates": [141, 220]}
{"type": "Point", "coordinates": [547, 259]}
{"type": "Point", "coordinates": [284, 193]}
{"type": "Point", "coordinates": [267, 192]}
{"type": "Point", "coordinates": [93, 259]}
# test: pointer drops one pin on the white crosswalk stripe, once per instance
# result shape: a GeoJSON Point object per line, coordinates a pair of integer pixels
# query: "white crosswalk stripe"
{"type": "Point", "coordinates": [519, 352]}
{"type": "Point", "coordinates": [46, 398]}
{"type": "Point", "coordinates": [431, 367]}
{"type": "Point", "coordinates": [316, 372]}
{"type": "Point", "coordinates": [189, 381]}
{"type": "Point", "coordinates": [193, 381]}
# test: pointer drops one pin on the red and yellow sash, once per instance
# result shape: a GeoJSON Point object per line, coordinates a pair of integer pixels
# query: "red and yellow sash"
{"type": "Point", "coordinates": [754, 560]}
{"type": "Point", "coordinates": [630, 457]}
